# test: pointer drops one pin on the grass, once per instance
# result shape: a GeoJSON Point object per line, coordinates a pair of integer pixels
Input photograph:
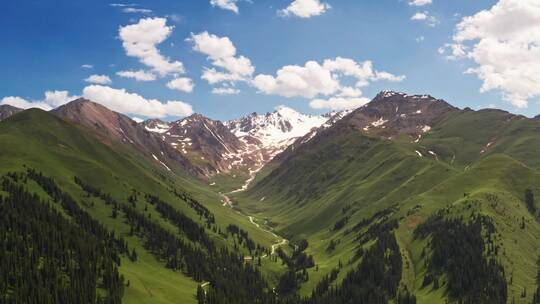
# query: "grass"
{"type": "Point", "coordinates": [480, 155]}
{"type": "Point", "coordinates": [42, 141]}
{"type": "Point", "coordinates": [343, 174]}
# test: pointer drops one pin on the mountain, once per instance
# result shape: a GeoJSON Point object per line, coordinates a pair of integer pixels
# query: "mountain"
{"type": "Point", "coordinates": [156, 125]}
{"type": "Point", "coordinates": [273, 132]}
{"type": "Point", "coordinates": [331, 119]}
{"type": "Point", "coordinates": [404, 200]}
{"type": "Point", "coordinates": [7, 110]}
{"type": "Point", "coordinates": [206, 142]}
{"type": "Point", "coordinates": [143, 234]}
{"type": "Point", "coordinates": [393, 113]}
{"type": "Point", "coordinates": [113, 127]}
{"type": "Point", "coordinates": [422, 169]}
{"type": "Point", "coordinates": [242, 145]}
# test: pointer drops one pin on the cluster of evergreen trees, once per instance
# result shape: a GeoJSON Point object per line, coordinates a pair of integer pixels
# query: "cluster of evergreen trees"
{"type": "Point", "coordinates": [95, 192]}
{"type": "Point", "coordinates": [243, 238]}
{"type": "Point", "coordinates": [382, 215]}
{"type": "Point", "coordinates": [193, 231]}
{"type": "Point", "coordinates": [458, 249]}
{"type": "Point", "coordinates": [324, 284]}
{"type": "Point", "coordinates": [340, 223]}
{"type": "Point", "coordinates": [299, 260]}
{"type": "Point", "coordinates": [529, 202]}
{"type": "Point", "coordinates": [199, 208]}
{"type": "Point", "coordinates": [47, 258]}
{"type": "Point", "coordinates": [375, 280]}
{"type": "Point", "coordinates": [231, 279]}
{"type": "Point", "coordinates": [297, 265]}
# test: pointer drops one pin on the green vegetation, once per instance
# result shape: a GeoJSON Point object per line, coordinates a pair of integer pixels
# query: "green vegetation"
{"type": "Point", "coordinates": [117, 178]}
{"type": "Point", "coordinates": [369, 219]}
{"type": "Point", "coordinates": [343, 180]}
{"type": "Point", "coordinates": [45, 258]}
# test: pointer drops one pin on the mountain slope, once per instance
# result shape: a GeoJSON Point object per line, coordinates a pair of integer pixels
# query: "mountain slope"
{"type": "Point", "coordinates": [117, 183]}
{"type": "Point", "coordinates": [206, 142]}
{"type": "Point", "coordinates": [407, 158]}
{"type": "Point", "coordinates": [405, 200]}
{"type": "Point", "coordinates": [271, 133]}
{"type": "Point", "coordinates": [7, 110]}
{"type": "Point", "coordinates": [113, 127]}
{"type": "Point", "coordinates": [234, 151]}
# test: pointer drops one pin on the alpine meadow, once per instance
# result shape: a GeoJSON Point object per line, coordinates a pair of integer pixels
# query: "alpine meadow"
{"type": "Point", "coordinates": [270, 152]}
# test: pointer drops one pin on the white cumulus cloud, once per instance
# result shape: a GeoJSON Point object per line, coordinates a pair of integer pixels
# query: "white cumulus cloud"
{"type": "Point", "coordinates": [305, 8]}
{"type": "Point", "coordinates": [140, 40]}
{"type": "Point", "coordinates": [181, 84]}
{"type": "Point", "coordinates": [419, 16]}
{"type": "Point", "coordinates": [132, 10]}
{"type": "Point", "coordinates": [419, 2]}
{"type": "Point", "coordinates": [503, 44]}
{"type": "Point", "coordinates": [339, 103]}
{"type": "Point", "coordinates": [426, 17]}
{"type": "Point", "coordinates": [99, 79]}
{"type": "Point", "coordinates": [22, 103]}
{"type": "Point", "coordinates": [314, 79]}
{"type": "Point", "coordinates": [221, 53]}
{"type": "Point", "coordinates": [229, 5]}
{"type": "Point", "coordinates": [306, 81]}
{"type": "Point", "coordinates": [225, 91]}
{"type": "Point", "coordinates": [140, 75]}
{"type": "Point", "coordinates": [324, 83]}
{"type": "Point", "coordinates": [133, 104]}
{"type": "Point", "coordinates": [52, 99]}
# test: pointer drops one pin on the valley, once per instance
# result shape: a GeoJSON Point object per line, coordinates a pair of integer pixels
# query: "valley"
{"type": "Point", "coordinates": [390, 190]}
{"type": "Point", "coordinates": [270, 152]}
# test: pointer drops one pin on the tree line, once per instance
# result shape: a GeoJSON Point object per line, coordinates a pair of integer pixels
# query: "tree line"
{"type": "Point", "coordinates": [47, 258]}
{"type": "Point", "coordinates": [459, 249]}
{"type": "Point", "coordinates": [376, 278]}
{"type": "Point", "coordinates": [231, 279]}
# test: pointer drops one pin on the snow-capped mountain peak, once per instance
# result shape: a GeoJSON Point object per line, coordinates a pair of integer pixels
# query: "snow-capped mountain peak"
{"type": "Point", "coordinates": [156, 126]}
{"type": "Point", "coordinates": [247, 143]}
{"type": "Point", "coordinates": [276, 129]}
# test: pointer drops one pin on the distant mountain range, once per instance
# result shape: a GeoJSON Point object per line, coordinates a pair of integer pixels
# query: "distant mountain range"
{"type": "Point", "coordinates": [245, 144]}
{"type": "Point", "coordinates": [205, 147]}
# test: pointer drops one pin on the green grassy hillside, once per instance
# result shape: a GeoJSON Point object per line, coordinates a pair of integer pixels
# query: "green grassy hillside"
{"type": "Point", "coordinates": [370, 216]}
{"type": "Point", "coordinates": [469, 164]}
{"type": "Point", "coordinates": [39, 140]}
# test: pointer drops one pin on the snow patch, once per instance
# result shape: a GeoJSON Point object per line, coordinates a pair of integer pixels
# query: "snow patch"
{"type": "Point", "coordinates": [162, 163]}
{"type": "Point", "coordinates": [158, 128]}
{"type": "Point", "coordinates": [379, 122]}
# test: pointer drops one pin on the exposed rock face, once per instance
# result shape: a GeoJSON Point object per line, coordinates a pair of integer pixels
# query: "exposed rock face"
{"type": "Point", "coordinates": [206, 142]}
{"type": "Point", "coordinates": [245, 144]}
{"type": "Point", "coordinates": [387, 115]}
{"type": "Point", "coordinates": [268, 135]}
{"type": "Point", "coordinates": [392, 113]}
{"type": "Point", "coordinates": [7, 110]}
{"type": "Point", "coordinates": [111, 126]}
{"type": "Point", "coordinates": [156, 125]}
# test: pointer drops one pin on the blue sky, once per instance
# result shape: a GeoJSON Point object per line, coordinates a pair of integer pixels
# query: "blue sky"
{"type": "Point", "coordinates": [46, 43]}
